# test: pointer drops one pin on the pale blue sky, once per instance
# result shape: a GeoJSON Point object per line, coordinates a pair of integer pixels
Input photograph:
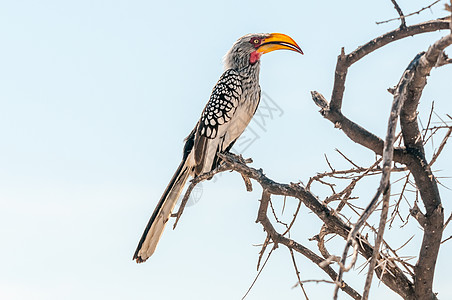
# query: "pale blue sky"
{"type": "Point", "coordinates": [95, 100]}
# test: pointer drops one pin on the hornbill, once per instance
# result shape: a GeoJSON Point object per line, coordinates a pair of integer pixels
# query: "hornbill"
{"type": "Point", "coordinates": [231, 106]}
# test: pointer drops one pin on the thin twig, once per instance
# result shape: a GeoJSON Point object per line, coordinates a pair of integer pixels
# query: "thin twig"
{"type": "Point", "coordinates": [429, 120]}
{"type": "Point", "coordinates": [447, 222]}
{"type": "Point", "coordinates": [347, 159]}
{"type": "Point", "coordinates": [402, 17]}
{"type": "Point", "coordinates": [298, 273]}
{"type": "Point", "coordinates": [328, 162]}
{"type": "Point", "coordinates": [441, 147]}
{"type": "Point", "coordinates": [409, 15]}
{"type": "Point", "coordinates": [399, 95]}
{"type": "Point", "coordinates": [258, 274]}
{"type": "Point", "coordinates": [317, 281]}
{"type": "Point", "coordinates": [450, 237]}
{"type": "Point", "coordinates": [261, 253]}
{"type": "Point", "coordinates": [294, 217]}
{"type": "Point", "coordinates": [396, 208]}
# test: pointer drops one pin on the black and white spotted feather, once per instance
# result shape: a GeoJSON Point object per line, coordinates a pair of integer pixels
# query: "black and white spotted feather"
{"type": "Point", "coordinates": [223, 102]}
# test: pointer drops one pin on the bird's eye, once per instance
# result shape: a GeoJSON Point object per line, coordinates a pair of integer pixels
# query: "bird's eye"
{"type": "Point", "coordinates": [256, 42]}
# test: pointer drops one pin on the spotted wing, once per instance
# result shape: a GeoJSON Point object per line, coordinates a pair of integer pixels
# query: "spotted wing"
{"type": "Point", "coordinates": [222, 104]}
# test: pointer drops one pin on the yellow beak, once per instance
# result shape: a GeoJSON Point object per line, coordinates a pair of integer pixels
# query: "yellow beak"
{"type": "Point", "coordinates": [278, 41]}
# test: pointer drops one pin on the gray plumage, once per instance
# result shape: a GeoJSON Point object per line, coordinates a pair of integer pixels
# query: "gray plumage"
{"type": "Point", "coordinates": [232, 104]}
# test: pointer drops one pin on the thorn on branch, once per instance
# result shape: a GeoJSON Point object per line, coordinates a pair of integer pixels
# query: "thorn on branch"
{"type": "Point", "coordinates": [261, 253]}
{"type": "Point", "coordinates": [441, 147]}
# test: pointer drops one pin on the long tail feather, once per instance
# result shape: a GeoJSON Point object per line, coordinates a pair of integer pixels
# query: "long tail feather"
{"type": "Point", "coordinates": [161, 214]}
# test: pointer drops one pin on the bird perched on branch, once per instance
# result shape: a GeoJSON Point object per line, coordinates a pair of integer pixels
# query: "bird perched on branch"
{"type": "Point", "coordinates": [231, 106]}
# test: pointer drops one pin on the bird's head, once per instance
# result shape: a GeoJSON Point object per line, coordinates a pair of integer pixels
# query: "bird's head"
{"type": "Point", "coordinates": [248, 49]}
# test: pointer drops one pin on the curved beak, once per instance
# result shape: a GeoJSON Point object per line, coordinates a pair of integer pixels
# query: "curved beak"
{"type": "Point", "coordinates": [278, 41]}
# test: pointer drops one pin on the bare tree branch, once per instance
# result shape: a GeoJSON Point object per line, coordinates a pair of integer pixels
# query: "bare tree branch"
{"type": "Point", "coordinates": [408, 15]}
{"type": "Point", "coordinates": [395, 279]}
{"type": "Point", "coordinates": [300, 283]}
{"type": "Point", "coordinates": [399, 11]}
{"type": "Point", "coordinates": [399, 98]}
{"type": "Point", "coordinates": [423, 176]}
{"type": "Point", "coordinates": [354, 131]}
{"type": "Point", "coordinates": [291, 244]}
{"type": "Point", "coordinates": [346, 60]}
{"type": "Point", "coordinates": [414, 76]}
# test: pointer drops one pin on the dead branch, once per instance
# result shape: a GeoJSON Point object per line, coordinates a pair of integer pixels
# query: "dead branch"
{"type": "Point", "coordinates": [332, 110]}
{"type": "Point", "coordinates": [423, 176]}
{"type": "Point", "coordinates": [447, 222]}
{"type": "Point", "coordinates": [291, 244]}
{"type": "Point", "coordinates": [445, 240]}
{"type": "Point", "coordinates": [396, 280]}
{"type": "Point", "coordinates": [402, 17]}
{"type": "Point", "coordinates": [258, 273]}
{"type": "Point", "coordinates": [414, 76]}
{"type": "Point", "coordinates": [299, 282]}
{"type": "Point", "coordinates": [441, 147]}
{"type": "Point", "coordinates": [408, 15]}
{"type": "Point", "coordinates": [399, 99]}
{"type": "Point", "coordinates": [346, 60]}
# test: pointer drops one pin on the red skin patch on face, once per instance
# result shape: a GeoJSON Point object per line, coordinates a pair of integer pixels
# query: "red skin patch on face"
{"type": "Point", "coordinates": [254, 57]}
